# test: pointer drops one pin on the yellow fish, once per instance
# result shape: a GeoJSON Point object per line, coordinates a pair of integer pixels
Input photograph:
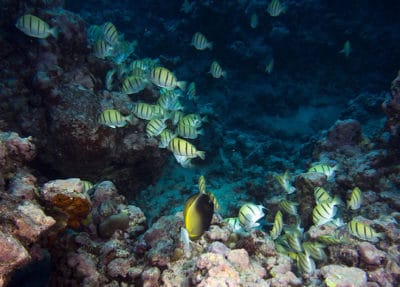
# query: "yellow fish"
{"type": "Point", "coordinates": [346, 49]}
{"type": "Point", "coordinates": [363, 231]}
{"type": "Point", "coordinates": [278, 225]}
{"type": "Point", "coordinates": [110, 33]}
{"type": "Point", "coordinates": [269, 67]}
{"type": "Point", "coordinates": [200, 42]}
{"type": "Point", "coordinates": [253, 20]}
{"type": "Point", "coordinates": [113, 119]}
{"type": "Point", "coordinates": [35, 27]}
{"type": "Point", "coordinates": [133, 85]}
{"type": "Point", "coordinates": [154, 127]}
{"type": "Point", "coordinates": [146, 111]}
{"type": "Point", "coordinates": [304, 263]}
{"type": "Point", "coordinates": [191, 91]}
{"type": "Point", "coordinates": [329, 171]}
{"type": "Point", "coordinates": [184, 148]}
{"type": "Point", "coordinates": [197, 214]}
{"type": "Point", "coordinates": [276, 8]}
{"type": "Point", "coordinates": [216, 70]}
{"type": "Point", "coordinates": [284, 181]}
{"type": "Point", "coordinates": [289, 207]}
{"type": "Point", "coordinates": [86, 185]}
{"type": "Point", "coordinates": [249, 214]}
{"type": "Point", "coordinates": [217, 207]}
{"type": "Point", "coordinates": [165, 137]}
{"type": "Point", "coordinates": [233, 224]}
{"type": "Point", "coordinates": [164, 78]}
{"type": "Point", "coordinates": [355, 199]}
{"type": "Point", "coordinates": [188, 132]}
{"type": "Point", "coordinates": [102, 49]}
{"type": "Point", "coordinates": [202, 184]}
{"type": "Point", "coordinates": [315, 249]}
{"type": "Point", "coordinates": [325, 211]}
{"type": "Point", "coordinates": [321, 195]}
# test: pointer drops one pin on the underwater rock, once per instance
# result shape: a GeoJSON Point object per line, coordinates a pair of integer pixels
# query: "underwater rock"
{"type": "Point", "coordinates": [150, 277]}
{"type": "Point", "coordinates": [342, 276]}
{"type": "Point", "coordinates": [23, 224]}
{"type": "Point", "coordinates": [67, 196]}
{"type": "Point", "coordinates": [14, 153]}
{"type": "Point", "coordinates": [370, 255]}
{"type": "Point", "coordinates": [23, 185]}
{"type": "Point", "coordinates": [112, 223]}
{"type": "Point", "coordinates": [391, 108]}
{"type": "Point", "coordinates": [344, 133]}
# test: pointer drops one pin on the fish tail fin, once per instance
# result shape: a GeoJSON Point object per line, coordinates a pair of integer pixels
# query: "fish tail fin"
{"type": "Point", "coordinates": [54, 32]}
{"type": "Point", "coordinates": [204, 119]}
{"type": "Point", "coordinates": [224, 74]}
{"type": "Point", "coordinates": [210, 45]}
{"type": "Point", "coordinates": [200, 132]}
{"type": "Point", "coordinates": [337, 200]}
{"type": "Point", "coordinates": [182, 85]}
{"type": "Point", "coordinates": [201, 154]}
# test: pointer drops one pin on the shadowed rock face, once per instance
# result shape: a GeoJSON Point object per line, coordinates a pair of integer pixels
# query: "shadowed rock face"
{"type": "Point", "coordinates": [56, 98]}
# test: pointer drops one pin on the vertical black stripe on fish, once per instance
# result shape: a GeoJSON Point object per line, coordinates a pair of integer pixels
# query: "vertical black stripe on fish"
{"type": "Point", "coordinates": [38, 27]}
{"type": "Point", "coordinates": [245, 217]}
{"type": "Point", "coordinates": [30, 24]}
{"type": "Point", "coordinates": [167, 79]}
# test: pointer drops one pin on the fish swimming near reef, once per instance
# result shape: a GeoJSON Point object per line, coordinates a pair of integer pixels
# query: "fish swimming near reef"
{"type": "Point", "coordinates": [321, 195]}
{"type": "Point", "coordinates": [164, 78]}
{"type": "Point", "coordinates": [304, 263]}
{"type": "Point", "coordinates": [202, 184]}
{"type": "Point", "coordinates": [154, 127]}
{"type": "Point", "coordinates": [284, 181]}
{"type": "Point", "coordinates": [133, 85]}
{"type": "Point", "coordinates": [289, 207]}
{"type": "Point", "coordinates": [346, 49]}
{"type": "Point", "coordinates": [216, 70]}
{"type": "Point", "coordinates": [355, 200]}
{"type": "Point", "coordinates": [270, 66]}
{"type": "Point", "coordinates": [102, 49]}
{"type": "Point", "coordinates": [191, 91]}
{"type": "Point", "coordinates": [329, 171]}
{"type": "Point", "coordinates": [110, 33]}
{"type": "Point", "coordinates": [253, 21]}
{"type": "Point", "coordinates": [165, 137]}
{"type": "Point", "coordinates": [188, 132]}
{"type": "Point", "coordinates": [35, 27]}
{"type": "Point", "coordinates": [278, 225]}
{"type": "Point", "coordinates": [200, 42]}
{"type": "Point", "coordinates": [249, 214]}
{"type": "Point", "coordinates": [325, 211]}
{"type": "Point", "coordinates": [197, 214]}
{"type": "Point", "coordinates": [363, 231]}
{"type": "Point", "coordinates": [276, 8]}
{"type": "Point", "coordinates": [184, 148]}
{"type": "Point", "coordinates": [233, 224]}
{"type": "Point", "coordinates": [113, 119]}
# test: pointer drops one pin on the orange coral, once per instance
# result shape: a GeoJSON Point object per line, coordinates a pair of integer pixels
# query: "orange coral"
{"type": "Point", "coordinates": [77, 208]}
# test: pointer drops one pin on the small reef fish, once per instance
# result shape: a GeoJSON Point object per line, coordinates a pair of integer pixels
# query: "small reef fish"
{"type": "Point", "coordinates": [289, 207]}
{"type": "Point", "coordinates": [102, 49]}
{"type": "Point", "coordinates": [276, 8]}
{"type": "Point", "coordinates": [321, 195]}
{"type": "Point", "coordinates": [184, 148]}
{"type": "Point", "coordinates": [86, 185]}
{"type": "Point", "coordinates": [254, 21]}
{"type": "Point", "coordinates": [269, 67]}
{"type": "Point", "coordinates": [355, 200]}
{"type": "Point", "coordinates": [329, 171]}
{"type": "Point", "coordinates": [94, 33]}
{"type": "Point", "coordinates": [35, 27]}
{"type": "Point", "coordinates": [293, 240]}
{"type": "Point", "coordinates": [109, 79]}
{"type": "Point", "coordinates": [113, 119]}
{"type": "Point", "coordinates": [165, 137]}
{"type": "Point", "coordinates": [200, 42]}
{"type": "Point", "coordinates": [169, 101]}
{"type": "Point", "coordinates": [184, 161]}
{"type": "Point", "coordinates": [233, 224]}
{"type": "Point", "coordinates": [363, 231]}
{"type": "Point", "coordinates": [202, 184]}
{"type": "Point", "coordinates": [191, 91]}
{"type": "Point", "coordinates": [133, 85]}
{"type": "Point", "coordinates": [315, 249]}
{"type": "Point", "coordinates": [110, 33]}
{"type": "Point", "coordinates": [346, 49]}
{"type": "Point", "coordinates": [164, 78]}
{"type": "Point", "coordinates": [158, 112]}
{"type": "Point", "coordinates": [278, 225]}
{"type": "Point", "coordinates": [249, 214]}
{"type": "Point", "coordinates": [304, 263]}
{"type": "Point", "coordinates": [145, 111]}
{"type": "Point", "coordinates": [216, 70]}
{"type": "Point", "coordinates": [154, 127]}
{"type": "Point", "coordinates": [217, 207]}
{"type": "Point", "coordinates": [192, 120]}
{"type": "Point", "coordinates": [284, 181]}
{"type": "Point", "coordinates": [325, 211]}
{"type": "Point", "coordinates": [188, 132]}
{"type": "Point", "coordinates": [176, 116]}
{"type": "Point", "coordinates": [197, 214]}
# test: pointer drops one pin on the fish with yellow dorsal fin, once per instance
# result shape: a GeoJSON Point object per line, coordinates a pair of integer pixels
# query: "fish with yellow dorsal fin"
{"type": "Point", "coordinates": [284, 181]}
